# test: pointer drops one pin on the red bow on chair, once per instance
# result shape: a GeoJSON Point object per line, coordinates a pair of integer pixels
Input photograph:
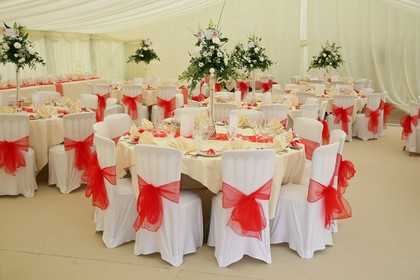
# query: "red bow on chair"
{"type": "Point", "coordinates": [199, 97]}
{"type": "Point", "coordinates": [344, 170]}
{"type": "Point", "coordinates": [373, 121]}
{"type": "Point", "coordinates": [406, 122]}
{"type": "Point", "coordinates": [217, 87]}
{"type": "Point", "coordinates": [243, 87]}
{"type": "Point", "coordinates": [247, 218]}
{"type": "Point", "coordinates": [335, 206]}
{"type": "Point", "coordinates": [82, 151]}
{"type": "Point", "coordinates": [95, 177]}
{"type": "Point", "coordinates": [11, 157]}
{"type": "Point", "coordinates": [343, 115]}
{"type": "Point", "coordinates": [149, 203]}
{"type": "Point", "coordinates": [310, 147]}
{"type": "Point", "coordinates": [284, 123]}
{"type": "Point", "coordinates": [167, 105]}
{"type": "Point", "coordinates": [131, 103]}
{"type": "Point", "coordinates": [267, 86]}
{"type": "Point", "coordinates": [101, 106]}
{"type": "Point", "coordinates": [325, 132]}
{"type": "Point", "coordinates": [387, 108]}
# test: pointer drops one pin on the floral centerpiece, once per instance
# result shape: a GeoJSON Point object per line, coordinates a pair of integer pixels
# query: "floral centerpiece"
{"type": "Point", "coordinates": [16, 48]}
{"type": "Point", "coordinates": [144, 53]}
{"type": "Point", "coordinates": [329, 57]}
{"type": "Point", "coordinates": [252, 57]}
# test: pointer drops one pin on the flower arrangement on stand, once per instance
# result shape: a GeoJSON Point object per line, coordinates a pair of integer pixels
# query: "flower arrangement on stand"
{"type": "Point", "coordinates": [329, 57]}
{"type": "Point", "coordinates": [209, 59]}
{"type": "Point", "coordinates": [252, 57]}
{"type": "Point", "coordinates": [16, 48]}
{"type": "Point", "coordinates": [144, 53]}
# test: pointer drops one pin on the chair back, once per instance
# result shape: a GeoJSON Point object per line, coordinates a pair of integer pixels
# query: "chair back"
{"type": "Point", "coordinates": [359, 84]}
{"type": "Point", "coordinates": [309, 111]}
{"type": "Point", "coordinates": [222, 111]}
{"type": "Point", "coordinates": [344, 101]}
{"type": "Point", "coordinates": [158, 165]}
{"type": "Point", "coordinates": [193, 103]}
{"type": "Point", "coordinates": [248, 170]}
{"type": "Point", "coordinates": [116, 109]}
{"type": "Point", "coordinates": [101, 89]}
{"type": "Point", "coordinates": [89, 100]}
{"type": "Point", "coordinates": [118, 124]}
{"type": "Point", "coordinates": [78, 126]}
{"type": "Point", "coordinates": [323, 163]}
{"type": "Point", "coordinates": [131, 90]}
{"type": "Point", "coordinates": [275, 111]}
{"type": "Point", "coordinates": [338, 136]}
{"type": "Point", "coordinates": [4, 98]}
{"type": "Point", "coordinates": [101, 128]}
{"type": "Point", "coordinates": [105, 149]}
{"type": "Point", "coordinates": [308, 128]}
{"type": "Point", "coordinates": [13, 127]}
{"type": "Point", "coordinates": [302, 96]}
{"type": "Point", "coordinates": [322, 109]}
{"type": "Point", "coordinates": [166, 92]}
{"type": "Point", "coordinates": [373, 101]}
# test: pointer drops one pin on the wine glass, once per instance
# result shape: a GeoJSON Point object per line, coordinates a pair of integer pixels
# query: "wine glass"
{"type": "Point", "coordinates": [257, 127]}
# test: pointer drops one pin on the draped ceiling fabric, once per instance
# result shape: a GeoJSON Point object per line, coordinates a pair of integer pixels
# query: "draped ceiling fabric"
{"type": "Point", "coordinates": [379, 38]}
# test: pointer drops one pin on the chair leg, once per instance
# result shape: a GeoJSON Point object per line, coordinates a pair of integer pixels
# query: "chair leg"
{"type": "Point", "coordinates": [403, 148]}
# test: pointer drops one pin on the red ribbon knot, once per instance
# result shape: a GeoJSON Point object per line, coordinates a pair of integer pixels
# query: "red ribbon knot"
{"type": "Point", "coordinates": [82, 151]}
{"type": "Point", "coordinates": [11, 156]}
{"type": "Point", "coordinates": [131, 103]}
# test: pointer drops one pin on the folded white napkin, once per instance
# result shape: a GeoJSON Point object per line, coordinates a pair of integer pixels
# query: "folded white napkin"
{"type": "Point", "coordinates": [184, 144]}
{"type": "Point", "coordinates": [147, 138]}
{"type": "Point", "coordinates": [74, 107]}
{"type": "Point", "coordinates": [289, 135]}
{"type": "Point", "coordinates": [46, 112]}
{"type": "Point", "coordinates": [237, 144]}
{"type": "Point", "coordinates": [134, 132]}
{"type": "Point", "coordinates": [275, 125]}
{"type": "Point", "coordinates": [201, 119]}
{"type": "Point", "coordinates": [7, 110]}
{"type": "Point", "coordinates": [146, 124]}
{"type": "Point", "coordinates": [279, 143]}
{"type": "Point", "coordinates": [243, 122]}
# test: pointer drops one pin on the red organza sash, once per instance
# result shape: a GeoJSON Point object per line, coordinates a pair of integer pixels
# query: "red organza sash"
{"type": "Point", "coordinates": [116, 139]}
{"type": "Point", "coordinates": [95, 176]}
{"type": "Point", "coordinates": [310, 147]}
{"type": "Point", "coordinates": [406, 122]}
{"type": "Point", "coordinates": [11, 156]}
{"type": "Point", "coordinates": [373, 121]}
{"type": "Point", "coordinates": [325, 132]}
{"type": "Point", "coordinates": [387, 109]}
{"type": "Point", "coordinates": [101, 106]}
{"type": "Point", "coordinates": [131, 103]}
{"type": "Point", "coordinates": [184, 91]}
{"type": "Point", "coordinates": [167, 105]}
{"type": "Point", "coordinates": [149, 203]}
{"type": "Point", "coordinates": [335, 206]}
{"type": "Point", "coordinates": [343, 115]}
{"type": "Point", "coordinates": [267, 86]}
{"type": "Point", "coordinates": [199, 97]}
{"type": "Point", "coordinates": [82, 151]}
{"type": "Point", "coordinates": [247, 218]}
{"type": "Point", "coordinates": [344, 170]}
{"type": "Point", "coordinates": [284, 122]}
{"type": "Point", "coordinates": [217, 87]}
{"type": "Point", "coordinates": [243, 87]}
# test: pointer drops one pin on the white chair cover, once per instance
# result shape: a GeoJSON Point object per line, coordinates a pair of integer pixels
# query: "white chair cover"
{"type": "Point", "coordinates": [39, 97]}
{"type": "Point", "coordinates": [116, 109]}
{"type": "Point", "coordinates": [275, 111]}
{"type": "Point", "coordinates": [303, 95]}
{"type": "Point", "coordinates": [14, 127]}
{"type": "Point", "coordinates": [222, 111]}
{"type": "Point", "coordinates": [246, 171]}
{"type": "Point", "coordinates": [118, 124]}
{"type": "Point", "coordinates": [322, 109]}
{"type": "Point", "coordinates": [142, 111]}
{"type": "Point", "coordinates": [166, 93]}
{"type": "Point", "coordinates": [384, 96]}
{"type": "Point", "coordinates": [361, 125]}
{"type": "Point", "coordinates": [4, 98]}
{"type": "Point", "coordinates": [412, 143]}
{"type": "Point", "coordinates": [89, 100]}
{"type": "Point", "coordinates": [181, 231]}
{"type": "Point", "coordinates": [61, 166]}
{"type": "Point", "coordinates": [343, 101]}
{"type": "Point", "coordinates": [117, 220]}
{"type": "Point", "coordinates": [101, 89]}
{"type": "Point", "coordinates": [193, 103]}
{"type": "Point", "coordinates": [299, 222]}
{"type": "Point", "coordinates": [309, 111]}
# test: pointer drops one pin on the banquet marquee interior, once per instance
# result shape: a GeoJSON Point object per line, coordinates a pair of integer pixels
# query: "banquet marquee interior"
{"type": "Point", "coordinates": [379, 38]}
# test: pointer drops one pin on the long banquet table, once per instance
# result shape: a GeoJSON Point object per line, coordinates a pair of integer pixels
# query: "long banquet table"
{"type": "Point", "coordinates": [208, 171]}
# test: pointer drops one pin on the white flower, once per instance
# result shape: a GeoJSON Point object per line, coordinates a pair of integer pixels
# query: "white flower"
{"type": "Point", "coordinates": [208, 34]}
{"type": "Point", "coordinates": [145, 48]}
{"type": "Point", "coordinates": [251, 44]}
{"type": "Point", "coordinates": [219, 54]}
{"type": "Point", "coordinates": [261, 58]}
{"type": "Point", "coordinates": [216, 40]}
{"type": "Point", "coordinates": [15, 55]}
{"type": "Point", "coordinates": [201, 64]}
{"type": "Point", "coordinates": [17, 45]}
{"type": "Point", "coordinates": [21, 60]}
{"type": "Point", "coordinates": [212, 70]}
{"type": "Point", "coordinates": [257, 49]}
{"type": "Point", "coordinates": [148, 43]}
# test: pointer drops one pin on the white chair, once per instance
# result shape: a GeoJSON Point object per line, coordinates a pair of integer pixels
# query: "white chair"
{"type": "Point", "coordinates": [176, 228]}
{"type": "Point", "coordinates": [4, 98]}
{"type": "Point", "coordinates": [19, 177]}
{"type": "Point", "coordinates": [342, 114]}
{"type": "Point", "coordinates": [116, 109]}
{"type": "Point", "coordinates": [410, 129]}
{"type": "Point", "coordinates": [138, 81]}
{"type": "Point", "coordinates": [275, 111]}
{"type": "Point", "coordinates": [300, 218]}
{"type": "Point", "coordinates": [114, 198]}
{"type": "Point", "coordinates": [39, 97]}
{"type": "Point", "coordinates": [309, 111]}
{"type": "Point", "coordinates": [117, 125]}
{"type": "Point", "coordinates": [193, 103]}
{"type": "Point", "coordinates": [303, 95]}
{"type": "Point", "coordinates": [251, 115]}
{"type": "Point", "coordinates": [222, 111]}
{"type": "Point", "coordinates": [68, 161]}
{"type": "Point", "coordinates": [104, 100]}
{"type": "Point", "coordinates": [322, 109]}
{"type": "Point", "coordinates": [247, 178]}
{"type": "Point", "coordinates": [367, 124]}
{"type": "Point", "coordinates": [90, 101]}
{"type": "Point", "coordinates": [386, 109]}
{"type": "Point", "coordinates": [358, 85]}
{"type": "Point", "coordinates": [310, 131]}
{"type": "Point", "coordinates": [132, 101]}
{"type": "Point", "coordinates": [168, 99]}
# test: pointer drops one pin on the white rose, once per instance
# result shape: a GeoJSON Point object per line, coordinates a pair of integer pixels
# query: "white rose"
{"type": "Point", "coordinates": [261, 58]}
{"type": "Point", "coordinates": [211, 70]}
{"type": "Point", "coordinates": [21, 60]}
{"type": "Point", "coordinates": [216, 40]}
{"type": "Point", "coordinates": [145, 48]}
{"type": "Point", "coordinates": [251, 44]}
{"type": "Point", "coordinates": [17, 45]}
{"type": "Point", "coordinates": [219, 54]}
{"type": "Point", "coordinates": [201, 64]}
{"type": "Point", "coordinates": [16, 55]}
{"type": "Point", "coordinates": [148, 43]}
{"type": "Point", "coordinates": [257, 49]}
{"type": "Point", "coordinates": [324, 55]}
{"type": "Point", "coordinates": [208, 34]}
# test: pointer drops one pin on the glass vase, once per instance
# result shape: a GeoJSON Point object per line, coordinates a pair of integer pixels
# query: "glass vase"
{"type": "Point", "coordinates": [18, 102]}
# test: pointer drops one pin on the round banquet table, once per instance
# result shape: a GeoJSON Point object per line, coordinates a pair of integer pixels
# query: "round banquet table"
{"type": "Point", "coordinates": [208, 171]}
